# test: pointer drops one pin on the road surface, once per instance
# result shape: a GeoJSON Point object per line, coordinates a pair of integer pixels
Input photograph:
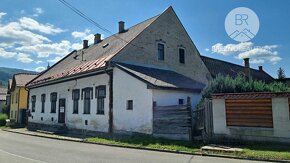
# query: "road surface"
{"type": "Point", "coordinates": [17, 148]}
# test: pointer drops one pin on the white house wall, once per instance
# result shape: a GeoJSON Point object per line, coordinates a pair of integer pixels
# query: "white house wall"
{"type": "Point", "coordinates": [96, 122]}
{"type": "Point", "coordinates": [140, 119]}
{"type": "Point", "coordinates": [171, 97]}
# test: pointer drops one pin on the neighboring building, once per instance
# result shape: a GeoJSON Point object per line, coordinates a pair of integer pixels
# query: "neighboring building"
{"type": "Point", "coordinates": [8, 97]}
{"type": "Point", "coordinates": [113, 85]}
{"type": "Point", "coordinates": [19, 97]}
{"type": "Point", "coordinates": [216, 67]}
{"type": "Point", "coordinates": [3, 92]}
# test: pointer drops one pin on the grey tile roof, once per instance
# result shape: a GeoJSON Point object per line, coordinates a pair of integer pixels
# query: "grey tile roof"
{"type": "Point", "coordinates": [161, 78]}
{"type": "Point", "coordinates": [98, 53]}
{"type": "Point", "coordinates": [216, 67]}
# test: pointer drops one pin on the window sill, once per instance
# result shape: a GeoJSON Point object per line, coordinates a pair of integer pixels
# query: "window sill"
{"type": "Point", "coordinates": [75, 113]}
{"type": "Point", "coordinates": [87, 113]}
{"type": "Point", "coordinates": [100, 113]}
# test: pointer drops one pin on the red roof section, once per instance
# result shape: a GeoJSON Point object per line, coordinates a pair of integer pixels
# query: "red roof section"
{"type": "Point", "coordinates": [85, 67]}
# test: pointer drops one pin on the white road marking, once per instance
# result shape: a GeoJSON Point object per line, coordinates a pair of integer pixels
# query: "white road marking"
{"type": "Point", "coordinates": [21, 156]}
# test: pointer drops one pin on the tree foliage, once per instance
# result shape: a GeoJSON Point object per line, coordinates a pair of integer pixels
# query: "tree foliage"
{"type": "Point", "coordinates": [281, 73]}
{"type": "Point", "coordinates": [227, 84]}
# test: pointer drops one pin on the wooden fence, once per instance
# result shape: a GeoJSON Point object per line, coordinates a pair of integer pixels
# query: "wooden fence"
{"type": "Point", "coordinates": [173, 122]}
{"type": "Point", "coordinates": [249, 112]}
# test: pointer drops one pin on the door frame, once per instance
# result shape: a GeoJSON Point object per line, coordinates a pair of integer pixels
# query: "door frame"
{"type": "Point", "coordinates": [63, 112]}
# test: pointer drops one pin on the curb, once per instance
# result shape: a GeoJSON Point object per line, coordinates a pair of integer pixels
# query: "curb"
{"type": "Point", "coordinates": [149, 149]}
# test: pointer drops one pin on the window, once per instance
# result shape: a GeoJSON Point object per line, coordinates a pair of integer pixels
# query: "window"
{"type": "Point", "coordinates": [15, 114]}
{"type": "Point", "coordinates": [100, 95]}
{"type": "Point", "coordinates": [11, 114]}
{"type": "Point", "coordinates": [160, 51]}
{"type": "Point", "coordinates": [33, 100]}
{"type": "Point", "coordinates": [53, 99]}
{"type": "Point", "coordinates": [129, 104]}
{"type": "Point", "coordinates": [42, 103]}
{"type": "Point", "coordinates": [16, 100]}
{"type": "Point", "coordinates": [181, 55]}
{"type": "Point", "coordinates": [180, 101]}
{"type": "Point", "coordinates": [76, 97]}
{"type": "Point", "coordinates": [12, 101]}
{"type": "Point", "coordinates": [87, 93]}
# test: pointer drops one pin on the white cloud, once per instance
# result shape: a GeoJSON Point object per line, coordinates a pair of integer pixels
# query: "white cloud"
{"type": "Point", "coordinates": [44, 50]}
{"type": "Point", "coordinates": [230, 49]}
{"type": "Point", "coordinates": [207, 49]}
{"type": "Point", "coordinates": [32, 24]}
{"type": "Point", "coordinates": [56, 59]}
{"type": "Point", "coordinates": [39, 69]}
{"type": "Point", "coordinates": [24, 58]}
{"type": "Point", "coordinates": [38, 62]}
{"type": "Point", "coordinates": [37, 11]}
{"type": "Point", "coordinates": [85, 35]}
{"type": "Point", "coordinates": [77, 46]}
{"type": "Point", "coordinates": [257, 54]}
{"type": "Point", "coordinates": [2, 14]}
{"type": "Point", "coordinates": [12, 34]}
{"type": "Point", "coordinates": [6, 54]}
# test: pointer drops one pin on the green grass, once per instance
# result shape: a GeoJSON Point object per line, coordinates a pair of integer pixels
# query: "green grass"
{"type": "Point", "coordinates": [275, 151]}
{"type": "Point", "coordinates": [267, 150]}
{"type": "Point", "coordinates": [146, 142]}
{"type": "Point", "coordinates": [3, 118]}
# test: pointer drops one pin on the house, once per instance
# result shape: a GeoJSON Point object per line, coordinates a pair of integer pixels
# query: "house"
{"type": "Point", "coordinates": [114, 84]}
{"type": "Point", "coordinates": [8, 97]}
{"type": "Point", "coordinates": [224, 68]}
{"type": "Point", "coordinates": [3, 92]}
{"type": "Point", "coordinates": [19, 96]}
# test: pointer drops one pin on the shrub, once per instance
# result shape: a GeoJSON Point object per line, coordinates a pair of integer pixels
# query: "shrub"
{"type": "Point", "coordinates": [3, 118]}
{"type": "Point", "coordinates": [227, 84]}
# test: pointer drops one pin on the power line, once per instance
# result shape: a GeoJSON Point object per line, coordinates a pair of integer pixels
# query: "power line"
{"type": "Point", "coordinates": [77, 11]}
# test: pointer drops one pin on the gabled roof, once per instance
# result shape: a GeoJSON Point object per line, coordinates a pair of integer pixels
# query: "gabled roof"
{"type": "Point", "coordinates": [216, 67]}
{"type": "Point", "coordinates": [161, 78]}
{"type": "Point", "coordinates": [20, 80]}
{"type": "Point", "coordinates": [94, 57]}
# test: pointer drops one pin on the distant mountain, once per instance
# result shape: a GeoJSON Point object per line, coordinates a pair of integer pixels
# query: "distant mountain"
{"type": "Point", "coordinates": [7, 73]}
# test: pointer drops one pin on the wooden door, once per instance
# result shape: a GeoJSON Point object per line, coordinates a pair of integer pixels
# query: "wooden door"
{"type": "Point", "coordinates": [61, 111]}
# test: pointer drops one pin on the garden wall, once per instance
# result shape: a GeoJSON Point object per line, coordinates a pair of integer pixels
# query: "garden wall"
{"type": "Point", "coordinates": [252, 116]}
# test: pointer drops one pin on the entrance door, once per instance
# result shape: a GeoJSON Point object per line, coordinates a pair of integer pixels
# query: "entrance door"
{"type": "Point", "coordinates": [61, 111]}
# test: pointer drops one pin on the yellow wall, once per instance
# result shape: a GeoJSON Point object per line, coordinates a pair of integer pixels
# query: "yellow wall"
{"type": "Point", "coordinates": [18, 101]}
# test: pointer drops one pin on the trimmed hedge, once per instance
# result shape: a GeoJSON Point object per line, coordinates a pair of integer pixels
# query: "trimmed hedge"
{"type": "Point", "coordinates": [227, 84]}
{"type": "Point", "coordinates": [3, 118]}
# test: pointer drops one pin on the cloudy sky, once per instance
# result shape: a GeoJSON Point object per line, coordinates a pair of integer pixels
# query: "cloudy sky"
{"type": "Point", "coordinates": [35, 32]}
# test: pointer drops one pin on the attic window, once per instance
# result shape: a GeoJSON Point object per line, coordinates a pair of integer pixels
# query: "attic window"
{"type": "Point", "coordinates": [105, 45]}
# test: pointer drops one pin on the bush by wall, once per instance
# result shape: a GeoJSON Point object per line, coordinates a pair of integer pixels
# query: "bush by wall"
{"type": "Point", "coordinates": [3, 118]}
{"type": "Point", "coordinates": [227, 84]}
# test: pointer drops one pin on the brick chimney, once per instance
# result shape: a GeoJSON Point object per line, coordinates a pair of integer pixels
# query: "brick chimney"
{"type": "Point", "coordinates": [247, 68]}
{"type": "Point", "coordinates": [97, 38]}
{"type": "Point", "coordinates": [85, 44]}
{"type": "Point", "coordinates": [121, 26]}
{"type": "Point", "coordinates": [261, 68]}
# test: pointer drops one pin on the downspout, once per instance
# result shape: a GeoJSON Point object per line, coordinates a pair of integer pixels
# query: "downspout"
{"type": "Point", "coordinates": [110, 97]}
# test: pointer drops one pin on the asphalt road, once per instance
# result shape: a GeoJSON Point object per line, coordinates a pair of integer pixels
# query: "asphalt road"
{"type": "Point", "coordinates": [17, 148]}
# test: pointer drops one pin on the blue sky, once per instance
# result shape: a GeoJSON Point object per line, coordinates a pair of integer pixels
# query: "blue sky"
{"type": "Point", "coordinates": [35, 32]}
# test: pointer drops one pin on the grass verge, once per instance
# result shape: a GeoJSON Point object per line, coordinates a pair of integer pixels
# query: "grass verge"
{"type": "Point", "coordinates": [251, 150]}
{"type": "Point", "coordinates": [145, 141]}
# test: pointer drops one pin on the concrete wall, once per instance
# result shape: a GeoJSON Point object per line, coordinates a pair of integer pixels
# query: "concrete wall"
{"type": "Point", "coordinates": [140, 119]}
{"type": "Point", "coordinates": [280, 131]}
{"type": "Point", "coordinates": [171, 97]}
{"type": "Point", "coordinates": [167, 30]}
{"type": "Point", "coordinates": [96, 122]}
